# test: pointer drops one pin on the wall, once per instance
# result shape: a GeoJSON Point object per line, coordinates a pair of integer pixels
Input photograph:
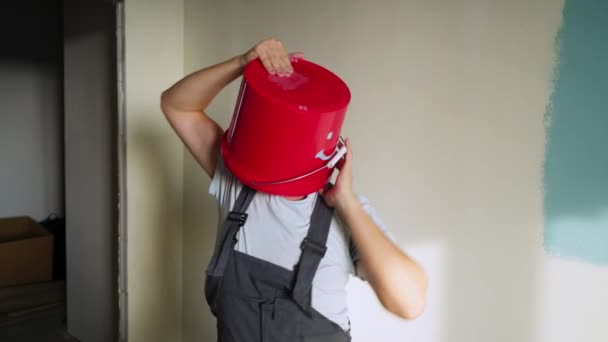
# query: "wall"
{"type": "Point", "coordinates": [153, 61]}
{"type": "Point", "coordinates": [91, 190]}
{"type": "Point", "coordinates": [576, 193]}
{"type": "Point", "coordinates": [207, 40]}
{"type": "Point", "coordinates": [31, 109]}
{"type": "Point", "coordinates": [449, 101]}
{"type": "Point", "coordinates": [576, 188]}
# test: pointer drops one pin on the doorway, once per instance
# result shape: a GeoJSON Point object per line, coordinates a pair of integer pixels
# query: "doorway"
{"type": "Point", "coordinates": [60, 150]}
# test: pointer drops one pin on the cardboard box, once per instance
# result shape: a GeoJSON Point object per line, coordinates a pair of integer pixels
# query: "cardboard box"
{"type": "Point", "coordinates": [26, 252]}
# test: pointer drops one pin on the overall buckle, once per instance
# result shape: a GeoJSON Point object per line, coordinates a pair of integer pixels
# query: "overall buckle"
{"type": "Point", "coordinates": [237, 217]}
{"type": "Point", "coordinates": [313, 246]}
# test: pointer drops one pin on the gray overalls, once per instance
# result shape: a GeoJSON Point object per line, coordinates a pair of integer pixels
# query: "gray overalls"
{"type": "Point", "coordinates": [257, 301]}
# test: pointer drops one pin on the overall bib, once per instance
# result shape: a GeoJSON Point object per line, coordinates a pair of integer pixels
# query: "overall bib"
{"type": "Point", "coordinates": [257, 301]}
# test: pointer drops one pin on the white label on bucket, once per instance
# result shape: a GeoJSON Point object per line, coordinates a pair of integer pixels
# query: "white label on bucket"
{"type": "Point", "coordinates": [321, 155]}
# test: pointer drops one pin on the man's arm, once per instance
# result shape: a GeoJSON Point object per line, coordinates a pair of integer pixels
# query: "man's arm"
{"type": "Point", "coordinates": [184, 104]}
{"type": "Point", "coordinates": [398, 281]}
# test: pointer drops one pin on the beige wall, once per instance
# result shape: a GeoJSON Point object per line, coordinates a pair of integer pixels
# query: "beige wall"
{"type": "Point", "coordinates": [209, 34]}
{"type": "Point", "coordinates": [154, 60]}
{"type": "Point", "coordinates": [448, 138]}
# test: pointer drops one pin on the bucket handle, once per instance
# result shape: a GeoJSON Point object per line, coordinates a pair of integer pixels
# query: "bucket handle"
{"type": "Point", "coordinates": [338, 153]}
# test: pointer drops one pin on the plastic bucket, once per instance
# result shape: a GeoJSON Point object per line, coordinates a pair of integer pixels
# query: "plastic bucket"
{"type": "Point", "coordinates": [284, 130]}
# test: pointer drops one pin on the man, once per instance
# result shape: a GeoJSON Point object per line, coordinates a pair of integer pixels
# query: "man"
{"type": "Point", "coordinates": [281, 264]}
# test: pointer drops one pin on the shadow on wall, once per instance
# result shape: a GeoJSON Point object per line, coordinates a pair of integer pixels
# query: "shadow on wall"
{"type": "Point", "coordinates": [198, 246]}
{"type": "Point", "coordinates": [23, 25]}
{"type": "Point", "coordinates": [576, 165]}
{"type": "Point", "coordinates": [26, 24]}
{"type": "Point", "coordinates": [155, 258]}
{"type": "Point", "coordinates": [31, 107]}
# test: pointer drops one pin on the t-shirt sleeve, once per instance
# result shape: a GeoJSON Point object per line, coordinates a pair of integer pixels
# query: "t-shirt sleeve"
{"type": "Point", "coordinates": [223, 184]}
{"type": "Point", "coordinates": [354, 251]}
{"type": "Point", "coordinates": [224, 187]}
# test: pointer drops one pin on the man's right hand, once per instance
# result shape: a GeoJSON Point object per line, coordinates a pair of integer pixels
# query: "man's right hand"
{"type": "Point", "coordinates": [273, 56]}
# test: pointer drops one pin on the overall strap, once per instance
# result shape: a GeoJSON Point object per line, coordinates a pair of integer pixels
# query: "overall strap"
{"type": "Point", "coordinates": [235, 220]}
{"type": "Point", "coordinates": [313, 249]}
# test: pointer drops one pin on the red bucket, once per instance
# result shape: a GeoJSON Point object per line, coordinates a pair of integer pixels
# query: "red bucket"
{"type": "Point", "coordinates": [285, 130]}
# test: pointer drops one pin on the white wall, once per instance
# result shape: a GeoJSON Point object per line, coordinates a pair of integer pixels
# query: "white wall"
{"type": "Point", "coordinates": [154, 60]}
{"type": "Point", "coordinates": [31, 112]}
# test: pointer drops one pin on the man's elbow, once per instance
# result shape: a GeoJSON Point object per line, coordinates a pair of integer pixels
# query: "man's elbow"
{"type": "Point", "coordinates": [164, 103]}
{"type": "Point", "coordinates": [410, 305]}
{"type": "Point", "coordinates": [409, 309]}
{"type": "Point", "coordinates": [167, 105]}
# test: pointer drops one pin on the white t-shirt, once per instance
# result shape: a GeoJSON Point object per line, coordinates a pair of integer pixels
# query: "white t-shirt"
{"type": "Point", "coordinates": [274, 232]}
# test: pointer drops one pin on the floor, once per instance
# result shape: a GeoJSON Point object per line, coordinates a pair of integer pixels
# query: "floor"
{"type": "Point", "coordinates": [47, 325]}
